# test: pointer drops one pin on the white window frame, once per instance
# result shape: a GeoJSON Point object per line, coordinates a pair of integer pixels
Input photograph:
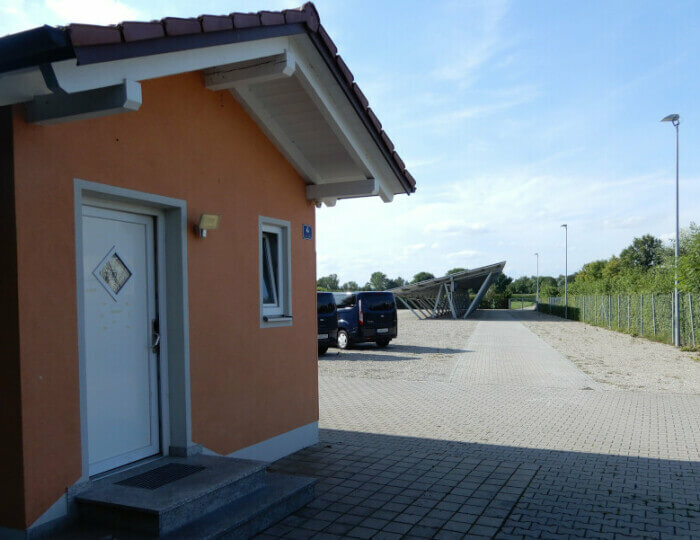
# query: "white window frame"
{"type": "Point", "coordinates": [279, 313]}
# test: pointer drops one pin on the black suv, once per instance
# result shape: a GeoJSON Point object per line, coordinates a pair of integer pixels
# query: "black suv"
{"type": "Point", "coordinates": [327, 321]}
{"type": "Point", "coordinates": [366, 316]}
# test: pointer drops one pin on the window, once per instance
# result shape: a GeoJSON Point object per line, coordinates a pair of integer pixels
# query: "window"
{"type": "Point", "coordinates": [378, 302]}
{"type": "Point", "coordinates": [325, 303]}
{"type": "Point", "coordinates": [344, 300]}
{"type": "Point", "coordinates": [275, 273]}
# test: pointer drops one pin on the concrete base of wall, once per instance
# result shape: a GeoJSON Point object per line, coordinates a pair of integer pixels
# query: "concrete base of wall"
{"type": "Point", "coordinates": [279, 446]}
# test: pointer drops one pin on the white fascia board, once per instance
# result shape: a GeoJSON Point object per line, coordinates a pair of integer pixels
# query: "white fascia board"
{"type": "Point", "coordinates": [268, 69]}
{"type": "Point", "coordinates": [342, 190]}
{"type": "Point", "coordinates": [23, 85]}
{"type": "Point", "coordinates": [342, 117]}
{"type": "Point", "coordinates": [74, 78]}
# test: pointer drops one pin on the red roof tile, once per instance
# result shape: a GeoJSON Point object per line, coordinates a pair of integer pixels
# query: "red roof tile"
{"type": "Point", "coordinates": [245, 20]}
{"type": "Point", "coordinates": [271, 18]}
{"type": "Point", "coordinates": [178, 27]}
{"type": "Point", "coordinates": [137, 31]}
{"type": "Point", "coordinates": [327, 40]}
{"type": "Point", "coordinates": [86, 35]}
{"type": "Point", "coordinates": [216, 23]}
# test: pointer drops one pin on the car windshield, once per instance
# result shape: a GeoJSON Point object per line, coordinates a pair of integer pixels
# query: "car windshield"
{"type": "Point", "coordinates": [378, 302]}
{"type": "Point", "coordinates": [344, 300]}
{"type": "Point", "coordinates": [325, 303]}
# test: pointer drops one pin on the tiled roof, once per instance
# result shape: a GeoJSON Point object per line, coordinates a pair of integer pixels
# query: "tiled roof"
{"type": "Point", "coordinates": [86, 36]}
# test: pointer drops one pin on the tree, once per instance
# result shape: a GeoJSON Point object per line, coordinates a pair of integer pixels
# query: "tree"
{"type": "Point", "coordinates": [644, 253]}
{"type": "Point", "coordinates": [592, 271]}
{"type": "Point", "coordinates": [377, 281]}
{"type": "Point", "coordinates": [350, 286]}
{"type": "Point", "coordinates": [612, 268]}
{"type": "Point", "coordinates": [500, 284]}
{"type": "Point", "coordinates": [689, 262]}
{"type": "Point", "coordinates": [394, 283]}
{"type": "Point", "coordinates": [422, 276]}
{"type": "Point", "coordinates": [548, 290]}
{"type": "Point", "coordinates": [523, 285]}
{"type": "Point", "coordinates": [329, 282]}
{"type": "Point", "coordinates": [454, 271]}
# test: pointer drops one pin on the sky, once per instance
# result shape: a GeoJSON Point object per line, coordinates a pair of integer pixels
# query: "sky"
{"type": "Point", "coordinates": [514, 117]}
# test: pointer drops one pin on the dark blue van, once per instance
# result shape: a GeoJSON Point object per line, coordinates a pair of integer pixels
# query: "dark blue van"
{"type": "Point", "coordinates": [366, 316]}
{"type": "Point", "coordinates": [327, 321]}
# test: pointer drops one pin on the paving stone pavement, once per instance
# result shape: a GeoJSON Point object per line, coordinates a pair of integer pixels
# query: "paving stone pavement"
{"type": "Point", "coordinates": [516, 443]}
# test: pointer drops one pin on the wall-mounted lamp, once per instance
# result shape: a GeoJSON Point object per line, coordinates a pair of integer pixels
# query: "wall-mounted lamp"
{"type": "Point", "coordinates": [207, 222]}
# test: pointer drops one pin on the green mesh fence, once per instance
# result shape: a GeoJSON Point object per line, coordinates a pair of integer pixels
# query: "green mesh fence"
{"type": "Point", "coordinates": [647, 315]}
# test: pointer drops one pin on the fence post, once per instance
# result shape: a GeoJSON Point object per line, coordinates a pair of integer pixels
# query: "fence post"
{"type": "Point", "coordinates": [584, 308]}
{"type": "Point", "coordinates": [618, 311]}
{"type": "Point", "coordinates": [673, 320]}
{"type": "Point", "coordinates": [653, 314]}
{"type": "Point", "coordinates": [692, 324]}
{"type": "Point", "coordinates": [609, 311]}
{"type": "Point", "coordinates": [595, 309]}
{"type": "Point", "coordinates": [628, 313]}
{"type": "Point", "coordinates": [641, 314]}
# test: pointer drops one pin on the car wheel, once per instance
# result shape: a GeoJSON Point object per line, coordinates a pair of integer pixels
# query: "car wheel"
{"type": "Point", "coordinates": [383, 343]}
{"type": "Point", "coordinates": [343, 339]}
{"type": "Point", "coordinates": [322, 349]}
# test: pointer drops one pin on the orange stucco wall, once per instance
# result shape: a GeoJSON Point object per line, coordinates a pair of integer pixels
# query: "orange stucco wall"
{"type": "Point", "coordinates": [247, 383]}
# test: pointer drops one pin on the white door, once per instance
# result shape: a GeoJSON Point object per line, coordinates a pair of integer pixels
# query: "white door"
{"type": "Point", "coordinates": [121, 365]}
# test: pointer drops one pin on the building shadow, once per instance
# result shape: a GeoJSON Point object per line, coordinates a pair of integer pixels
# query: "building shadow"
{"type": "Point", "coordinates": [426, 487]}
{"type": "Point", "coordinates": [392, 353]}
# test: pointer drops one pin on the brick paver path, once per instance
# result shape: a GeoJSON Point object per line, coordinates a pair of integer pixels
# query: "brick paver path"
{"type": "Point", "coordinates": [515, 442]}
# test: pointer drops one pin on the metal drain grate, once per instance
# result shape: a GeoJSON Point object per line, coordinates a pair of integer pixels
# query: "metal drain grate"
{"type": "Point", "coordinates": [161, 476]}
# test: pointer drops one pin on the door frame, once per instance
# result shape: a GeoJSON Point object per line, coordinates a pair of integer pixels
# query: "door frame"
{"type": "Point", "coordinates": [170, 220]}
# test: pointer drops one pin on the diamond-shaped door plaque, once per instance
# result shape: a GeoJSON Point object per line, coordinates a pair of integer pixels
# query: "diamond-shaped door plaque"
{"type": "Point", "coordinates": [112, 273]}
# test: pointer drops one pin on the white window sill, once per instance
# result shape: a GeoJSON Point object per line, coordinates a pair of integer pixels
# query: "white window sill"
{"type": "Point", "coordinates": [273, 321]}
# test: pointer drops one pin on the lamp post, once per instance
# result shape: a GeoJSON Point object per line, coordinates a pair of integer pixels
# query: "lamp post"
{"type": "Point", "coordinates": [566, 270]}
{"type": "Point", "coordinates": [676, 120]}
{"type": "Point", "coordinates": [537, 282]}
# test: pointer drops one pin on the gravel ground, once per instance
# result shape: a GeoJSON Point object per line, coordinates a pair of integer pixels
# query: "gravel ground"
{"type": "Point", "coordinates": [616, 359]}
{"type": "Point", "coordinates": [423, 351]}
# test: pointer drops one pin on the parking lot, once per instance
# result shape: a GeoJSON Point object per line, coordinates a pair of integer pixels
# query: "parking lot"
{"type": "Point", "coordinates": [510, 424]}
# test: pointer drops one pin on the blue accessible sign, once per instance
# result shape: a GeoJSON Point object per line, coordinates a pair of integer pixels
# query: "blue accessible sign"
{"type": "Point", "coordinates": [307, 231]}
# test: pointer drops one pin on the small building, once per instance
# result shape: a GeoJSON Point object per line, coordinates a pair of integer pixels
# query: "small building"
{"type": "Point", "coordinates": [158, 185]}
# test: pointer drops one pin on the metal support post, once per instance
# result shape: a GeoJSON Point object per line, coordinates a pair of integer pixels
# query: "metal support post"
{"type": "Point", "coordinates": [653, 314]}
{"type": "Point", "coordinates": [437, 298]}
{"type": "Point", "coordinates": [409, 307]}
{"type": "Point", "coordinates": [692, 323]}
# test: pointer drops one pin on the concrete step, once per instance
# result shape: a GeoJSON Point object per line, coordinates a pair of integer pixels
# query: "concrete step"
{"type": "Point", "coordinates": [157, 512]}
{"type": "Point", "coordinates": [281, 495]}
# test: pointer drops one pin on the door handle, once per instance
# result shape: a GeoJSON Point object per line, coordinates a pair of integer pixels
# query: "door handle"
{"type": "Point", "coordinates": [156, 341]}
{"type": "Point", "coordinates": [155, 335]}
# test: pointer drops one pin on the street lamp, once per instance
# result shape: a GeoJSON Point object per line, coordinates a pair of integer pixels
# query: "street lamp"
{"type": "Point", "coordinates": [566, 270]}
{"type": "Point", "coordinates": [676, 120]}
{"type": "Point", "coordinates": [537, 283]}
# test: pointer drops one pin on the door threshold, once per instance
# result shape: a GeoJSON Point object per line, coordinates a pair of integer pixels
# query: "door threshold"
{"type": "Point", "coordinates": [122, 468]}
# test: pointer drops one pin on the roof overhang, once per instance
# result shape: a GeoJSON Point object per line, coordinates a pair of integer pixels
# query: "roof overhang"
{"type": "Point", "coordinates": [286, 77]}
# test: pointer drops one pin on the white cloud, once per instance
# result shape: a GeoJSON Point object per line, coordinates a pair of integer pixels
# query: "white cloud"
{"type": "Point", "coordinates": [450, 227]}
{"type": "Point", "coordinates": [465, 253]}
{"type": "Point", "coordinates": [93, 11]}
{"type": "Point", "coordinates": [480, 43]}
{"type": "Point", "coordinates": [19, 15]}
